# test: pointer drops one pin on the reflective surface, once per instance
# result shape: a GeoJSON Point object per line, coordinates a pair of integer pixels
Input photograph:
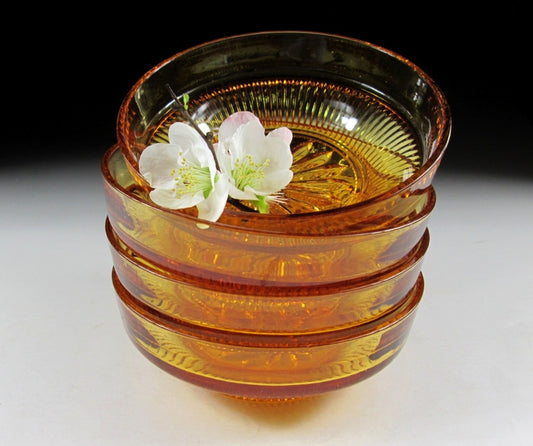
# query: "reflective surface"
{"type": "Point", "coordinates": [348, 145]}
{"type": "Point", "coordinates": [263, 308]}
{"type": "Point", "coordinates": [384, 120]}
{"type": "Point", "coordinates": [267, 366]}
{"type": "Point", "coordinates": [319, 293]}
{"type": "Point", "coordinates": [252, 255]}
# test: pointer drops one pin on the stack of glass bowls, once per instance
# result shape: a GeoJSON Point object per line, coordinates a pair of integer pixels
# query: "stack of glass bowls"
{"type": "Point", "coordinates": [321, 292]}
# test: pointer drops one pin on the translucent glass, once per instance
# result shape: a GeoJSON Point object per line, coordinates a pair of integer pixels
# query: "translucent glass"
{"type": "Point", "coordinates": [263, 308]}
{"type": "Point", "coordinates": [320, 292]}
{"type": "Point", "coordinates": [267, 367]}
{"type": "Point", "coordinates": [242, 255]}
{"type": "Point", "coordinates": [362, 115]}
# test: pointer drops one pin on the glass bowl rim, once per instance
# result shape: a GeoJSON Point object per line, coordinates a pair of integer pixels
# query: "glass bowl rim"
{"type": "Point", "coordinates": [430, 163]}
{"type": "Point", "coordinates": [412, 260]}
{"type": "Point", "coordinates": [270, 340]}
{"type": "Point", "coordinates": [421, 215]}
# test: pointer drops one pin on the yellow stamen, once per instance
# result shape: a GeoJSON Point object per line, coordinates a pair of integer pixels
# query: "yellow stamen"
{"type": "Point", "coordinates": [248, 173]}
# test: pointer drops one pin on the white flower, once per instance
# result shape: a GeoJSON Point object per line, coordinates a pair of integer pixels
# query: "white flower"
{"type": "Point", "coordinates": [183, 173]}
{"type": "Point", "coordinates": [253, 166]}
{"type": "Point", "coordinates": [257, 165]}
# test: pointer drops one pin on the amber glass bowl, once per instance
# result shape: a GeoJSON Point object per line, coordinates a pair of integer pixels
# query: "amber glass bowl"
{"type": "Point", "coordinates": [369, 126]}
{"type": "Point", "coordinates": [320, 292]}
{"type": "Point", "coordinates": [262, 308]}
{"type": "Point", "coordinates": [267, 366]}
{"type": "Point", "coordinates": [244, 256]}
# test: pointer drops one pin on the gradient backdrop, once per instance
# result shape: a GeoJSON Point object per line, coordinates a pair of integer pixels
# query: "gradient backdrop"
{"type": "Point", "coordinates": [65, 75]}
{"type": "Point", "coordinates": [68, 373]}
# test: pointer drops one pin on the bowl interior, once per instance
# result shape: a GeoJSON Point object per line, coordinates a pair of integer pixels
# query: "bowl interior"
{"type": "Point", "coordinates": [126, 198]}
{"type": "Point", "coordinates": [366, 122]}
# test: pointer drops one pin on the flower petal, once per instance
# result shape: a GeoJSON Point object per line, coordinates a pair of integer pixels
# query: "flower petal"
{"type": "Point", "coordinates": [184, 135]}
{"type": "Point", "coordinates": [278, 152]}
{"type": "Point", "coordinates": [193, 146]}
{"type": "Point", "coordinates": [230, 125]}
{"type": "Point", "coordinates": [281, 132]}
{"type": "Point", "coordinates": [247, 194]}
{"type": "Point", "coordinates": [167, 198]}
{"type": "Point", "coordinates": [250, 139]}
{"type": "Point", "coordinates": [212, 207]}
{"type": "Point", "coordinates": [275, 153]}
{"type": "Point", "coordinates": [275, 181]}
{"type": "Point", "coordinates": [157, 162]}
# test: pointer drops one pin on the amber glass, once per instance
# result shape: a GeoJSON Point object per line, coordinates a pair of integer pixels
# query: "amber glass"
{"type": "Point", "coordinates": [320, 292]}
{"type": "Point", "coordinates": [267, 309]}
{"type": "Point", "coordinates": [255, 256]}
{"type": "Point", "coordinates": [369, 125]}
{"type": "Point", "coordinates": [267, 366]}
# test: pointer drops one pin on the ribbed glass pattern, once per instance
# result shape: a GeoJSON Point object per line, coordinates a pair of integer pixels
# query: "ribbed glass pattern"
{"type": "Point", "coordinates": [348, 145]}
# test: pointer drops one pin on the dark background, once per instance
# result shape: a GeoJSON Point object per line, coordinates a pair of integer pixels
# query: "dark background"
{"type": "Point", "coordinates": [66, 72]}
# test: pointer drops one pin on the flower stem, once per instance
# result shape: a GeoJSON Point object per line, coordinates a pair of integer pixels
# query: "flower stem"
{"type": "Point", "coordinates": [208, 138]}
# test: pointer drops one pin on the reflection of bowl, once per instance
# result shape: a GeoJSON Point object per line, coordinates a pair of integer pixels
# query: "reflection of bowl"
{"type": "Point", "coordinates": [267, 366]}
{"type": "Point", "coordinates": [369, 126]}
{"type": "Point", "coordinates": [289, 309]}
{"type": "Point", "coordinates": [247, 256]}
